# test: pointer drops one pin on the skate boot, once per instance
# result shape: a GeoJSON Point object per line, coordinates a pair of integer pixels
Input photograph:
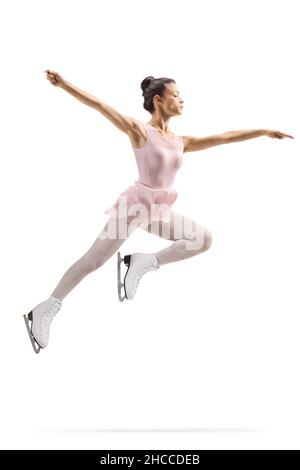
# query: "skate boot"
{"type": "Point", "coordinates": [138, 264]}
{"type": "Point", "coordinates": [41, 317]}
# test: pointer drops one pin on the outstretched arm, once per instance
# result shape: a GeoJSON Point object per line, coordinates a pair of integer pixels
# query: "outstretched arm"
{"type": "Point", "coordinates": [192, 144]}
{"type": "Point", "coordinates": [122, 122]}
{"type": "Point", "coordinates": [81, 95]}
{"type": "Point", "coordinates": [237, 136]}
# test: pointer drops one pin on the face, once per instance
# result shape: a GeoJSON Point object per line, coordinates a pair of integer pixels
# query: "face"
{"type": "Point", "coordinates": [171, 103]}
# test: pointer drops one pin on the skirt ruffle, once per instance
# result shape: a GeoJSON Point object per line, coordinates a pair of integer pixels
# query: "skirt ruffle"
{"type": "Point", "coordinates": [143, 202]}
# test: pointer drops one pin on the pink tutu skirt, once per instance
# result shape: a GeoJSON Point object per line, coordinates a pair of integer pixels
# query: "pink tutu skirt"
{"type": "Point", "coordinates": [143, 202]}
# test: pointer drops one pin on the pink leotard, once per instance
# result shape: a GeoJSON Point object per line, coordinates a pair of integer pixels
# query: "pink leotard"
{"type": "Point", "coordinates": [158, 162]}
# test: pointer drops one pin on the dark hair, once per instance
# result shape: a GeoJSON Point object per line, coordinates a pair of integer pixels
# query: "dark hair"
{"type": "Point", "coordinates": [153, 86]}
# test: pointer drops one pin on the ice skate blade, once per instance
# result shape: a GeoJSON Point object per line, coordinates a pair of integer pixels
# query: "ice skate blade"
{"type": "Point", "coordinates": [33, 342]}
{"type": "Point", "coordinates": [121, 297]}
{"type": "Point", "coordinates": [120, 284]}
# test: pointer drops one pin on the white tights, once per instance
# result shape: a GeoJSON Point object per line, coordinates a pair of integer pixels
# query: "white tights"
{"type": "Point", "coordinates": [189, 239]}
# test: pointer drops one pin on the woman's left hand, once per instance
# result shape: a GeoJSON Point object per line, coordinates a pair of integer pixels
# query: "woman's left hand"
{"type": "Point", "coordinates": [276, 134]}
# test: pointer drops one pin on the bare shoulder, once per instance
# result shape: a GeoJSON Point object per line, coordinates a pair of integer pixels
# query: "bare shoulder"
{"type": "Point", "coordinates": [137, 133]}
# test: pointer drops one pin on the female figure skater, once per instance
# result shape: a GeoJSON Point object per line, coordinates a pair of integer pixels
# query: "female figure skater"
{"type": "Point", "coordinates": [147, 203]}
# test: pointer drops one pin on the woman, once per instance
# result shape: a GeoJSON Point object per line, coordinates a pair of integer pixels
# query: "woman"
{"type": "Point", "coordinates": [146, 204]}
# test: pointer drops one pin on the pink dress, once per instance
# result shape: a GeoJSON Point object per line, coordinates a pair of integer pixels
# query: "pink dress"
{"type": "Point", "coordinates": [152, 196]}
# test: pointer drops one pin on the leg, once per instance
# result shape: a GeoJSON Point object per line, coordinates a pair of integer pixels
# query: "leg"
{"type": "Point", "coordinates": [107, 242]}
{"type": "Point", "coordinates": [105, 245]}
{"type": "Point", "coordinates": [189, 237]}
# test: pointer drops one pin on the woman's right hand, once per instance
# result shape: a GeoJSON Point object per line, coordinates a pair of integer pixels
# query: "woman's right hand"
{"type": "Point", "coordinates": [54, 78]}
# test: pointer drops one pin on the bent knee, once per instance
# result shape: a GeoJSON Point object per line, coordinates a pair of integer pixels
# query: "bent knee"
{"type": "Point", "coordinates": [207, 239]}
{"type": "Point", "coordinates": [203, 240]}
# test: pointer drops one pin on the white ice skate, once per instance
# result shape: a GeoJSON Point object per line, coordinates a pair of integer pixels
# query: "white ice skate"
{"type": "Point", "coordinates": [138, 264]}
{"type": "Point", "coordinates": [41, 317]}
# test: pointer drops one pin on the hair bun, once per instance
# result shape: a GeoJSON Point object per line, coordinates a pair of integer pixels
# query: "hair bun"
{"type": "Point", "coordinates": [146, 82]}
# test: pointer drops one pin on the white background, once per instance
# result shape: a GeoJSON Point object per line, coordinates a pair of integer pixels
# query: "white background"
{"type": "Point", "coordinates": [207, 354]}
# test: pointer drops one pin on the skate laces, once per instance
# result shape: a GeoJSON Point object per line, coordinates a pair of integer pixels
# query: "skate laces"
{"type": "Point", "coordinates": [149, 267]}
{"type": "Point", "coordinates": [48, 317]}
